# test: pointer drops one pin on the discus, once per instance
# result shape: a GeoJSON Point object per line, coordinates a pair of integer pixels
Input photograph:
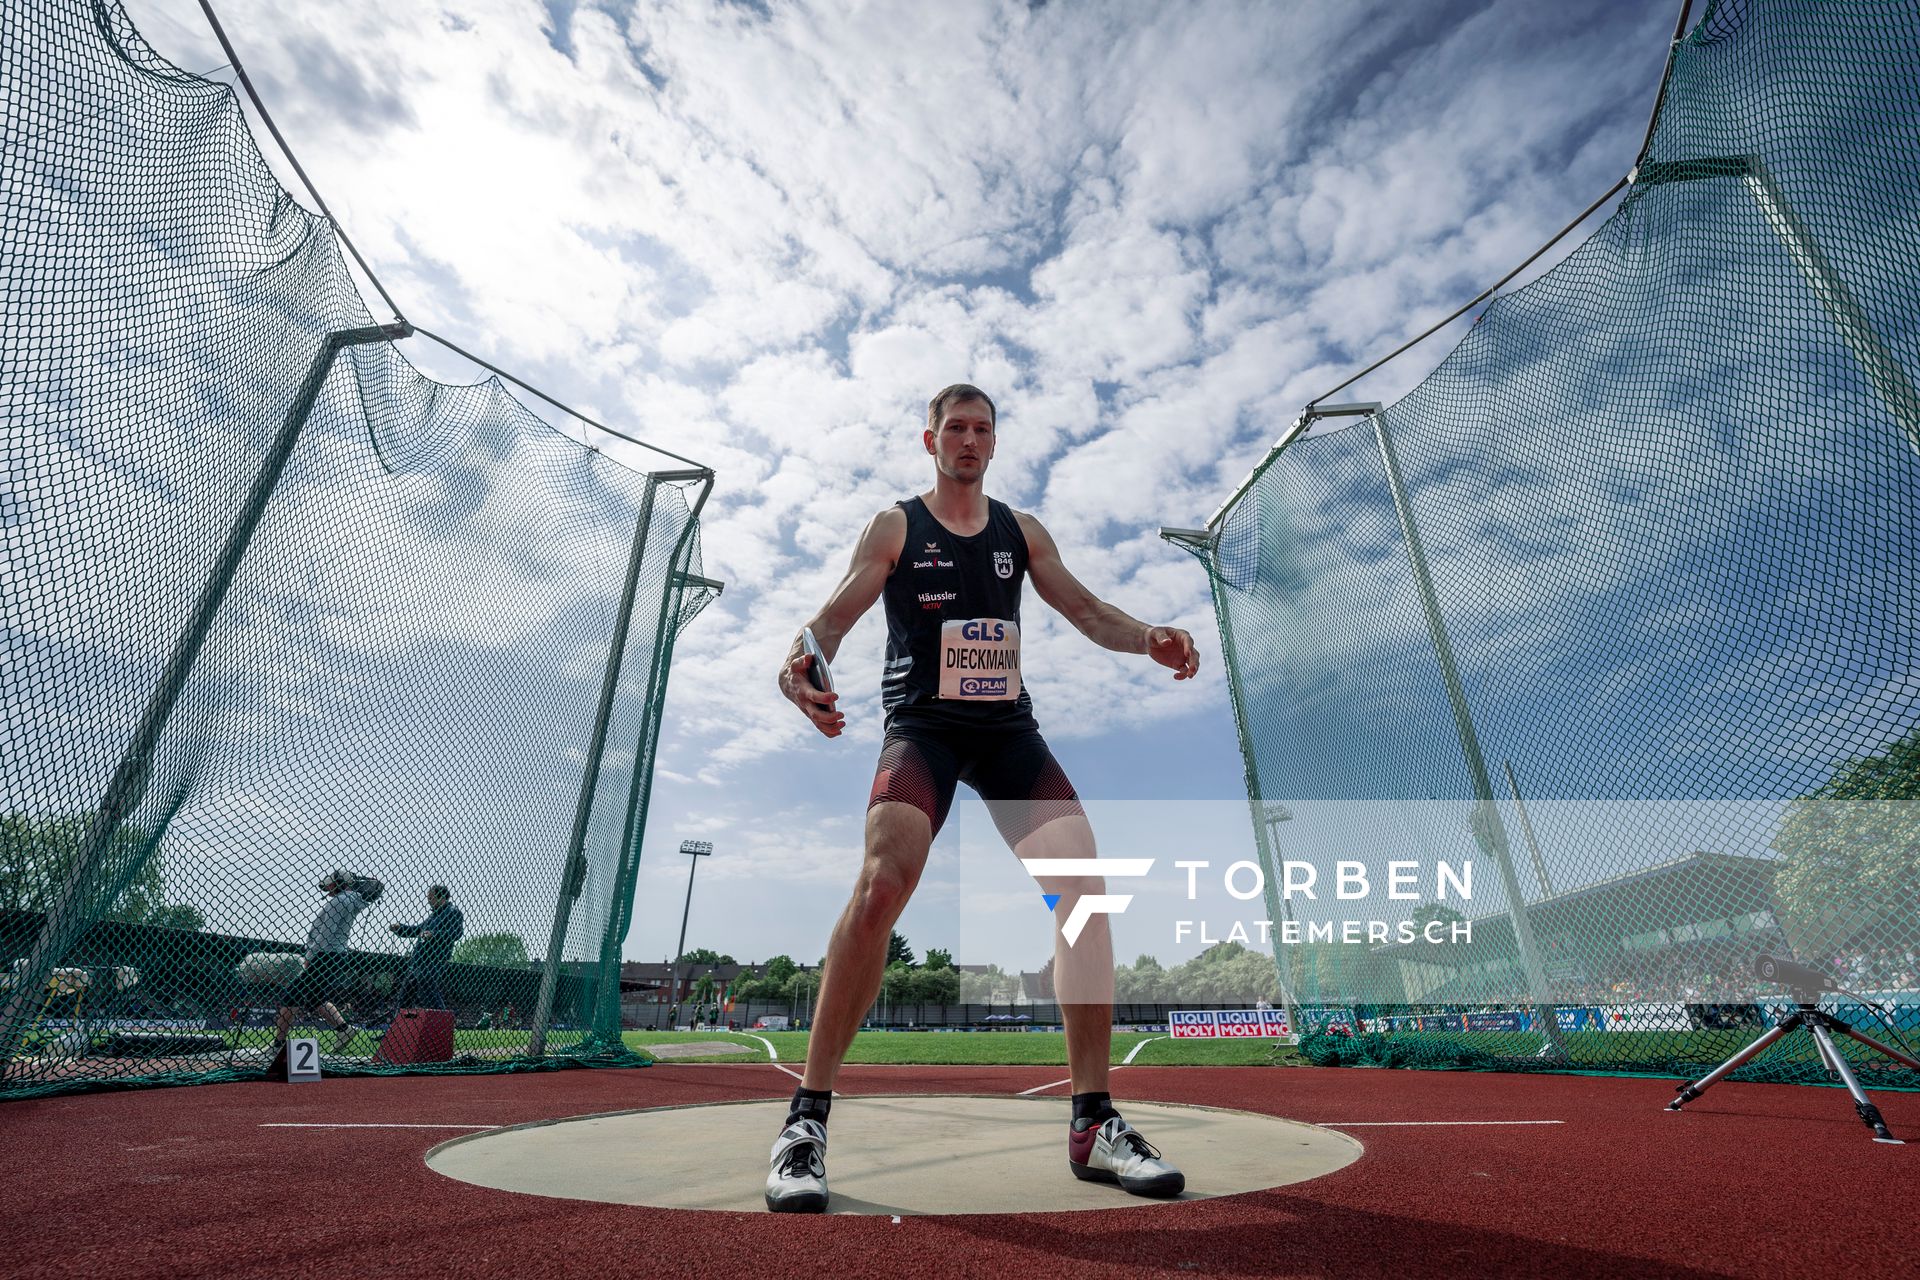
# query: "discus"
{"type": "Point", "coordinates": [817, 673]}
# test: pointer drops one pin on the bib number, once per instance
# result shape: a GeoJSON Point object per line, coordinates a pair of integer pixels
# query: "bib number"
{"type": "Point", "coordinates": [980, 660]}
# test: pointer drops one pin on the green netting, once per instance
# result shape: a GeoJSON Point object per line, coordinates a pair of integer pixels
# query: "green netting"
{"type": "Point", "coordinates": [276, 604]}
{"type": "Point", "coordinates": [1623, 600]}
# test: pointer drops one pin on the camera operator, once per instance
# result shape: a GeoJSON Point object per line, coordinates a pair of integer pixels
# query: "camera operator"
{"type": "Point", "coordinates": [329, 969]}
{"type": "Point", "coordinates": [427, 967]}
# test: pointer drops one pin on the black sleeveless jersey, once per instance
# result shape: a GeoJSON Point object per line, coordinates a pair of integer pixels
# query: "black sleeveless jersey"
{"type": "Point", "coordinates": [953, 622]}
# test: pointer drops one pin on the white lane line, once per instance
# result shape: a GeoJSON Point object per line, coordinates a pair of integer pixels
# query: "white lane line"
{"type": "Point", "coordinates": [1402, 1124]}
{"type": "Point", "coordinates": [797, 1076]}
{"type": "Point", "coordinates": [777, 1066]}
{"type": "Point", "coordinates": [773, 1054]}
{"type": "Point", "coordinates": [293, 1125]}
{"type": "Point", "coordinates": [1127, 1061]}
{"type": "Point", "coordinates": [1041, 1088]}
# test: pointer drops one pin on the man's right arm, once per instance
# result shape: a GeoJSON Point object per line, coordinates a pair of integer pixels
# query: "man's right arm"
{"type": "Point", "coordinates": [873, 559]}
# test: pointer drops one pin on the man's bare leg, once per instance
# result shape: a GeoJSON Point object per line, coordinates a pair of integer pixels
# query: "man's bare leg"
{"type": "Point", "coordinates": [283, 1023]}
{"type": "Point", "coordinates": [331, 1016]}
{"type": "Point", "coordinates": [1101, 1146]}
{"type": "Point", "coordinates": [1083, 972]}
{"type": "Point", "coordinates": [898, 837]}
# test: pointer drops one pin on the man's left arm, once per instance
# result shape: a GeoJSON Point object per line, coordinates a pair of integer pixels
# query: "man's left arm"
{"type": "Point", "coordinates": [1106, 625]}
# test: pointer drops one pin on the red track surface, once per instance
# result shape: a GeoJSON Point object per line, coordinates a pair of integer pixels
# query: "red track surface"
{"type": "Point", "coordinates": [174, 1182]}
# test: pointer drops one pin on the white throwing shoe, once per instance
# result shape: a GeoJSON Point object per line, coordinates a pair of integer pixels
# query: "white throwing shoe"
{"type": "Point", "coordinates": [1115, 1152]}
{"type": "Point", "coordinates": [797, 1180]}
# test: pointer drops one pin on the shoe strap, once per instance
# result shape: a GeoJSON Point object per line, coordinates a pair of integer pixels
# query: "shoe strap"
{"type": "Point", "coordinates": [799, 1133]}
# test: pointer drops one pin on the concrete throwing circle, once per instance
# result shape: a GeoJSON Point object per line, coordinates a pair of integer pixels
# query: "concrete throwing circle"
{"type": "Point", "coordinates": [892, 1154]}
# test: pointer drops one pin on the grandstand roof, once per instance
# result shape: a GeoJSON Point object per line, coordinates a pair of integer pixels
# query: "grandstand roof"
{"type": "Point", "coordinates": [1687, 890]}
{"type": "Point", "coordinates": [1689, 872]}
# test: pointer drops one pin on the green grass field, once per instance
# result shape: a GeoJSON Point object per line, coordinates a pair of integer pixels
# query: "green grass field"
{"type": "Point", "coordinates": [979, 1048]}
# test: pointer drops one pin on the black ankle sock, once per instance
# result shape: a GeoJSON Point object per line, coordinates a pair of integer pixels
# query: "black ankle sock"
{"type": "Point", "coordinates": [810, 1104]}
{"type": "Point", "coordinates": [1093, 1109]}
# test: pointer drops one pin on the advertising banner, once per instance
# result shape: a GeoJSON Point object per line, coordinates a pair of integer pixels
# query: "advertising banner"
{"type": "Point", "coordinates": [1227, 1024]}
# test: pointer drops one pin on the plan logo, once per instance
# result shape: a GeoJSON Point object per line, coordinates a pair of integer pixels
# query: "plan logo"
{"type": "Point", "coordinates": [1088, 905]}
{"type": "Point", "coordinates": [1003, 563]}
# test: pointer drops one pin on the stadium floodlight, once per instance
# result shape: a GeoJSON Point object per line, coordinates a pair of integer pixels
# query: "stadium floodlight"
{"type": "Point", "coordinates": [695, 849]}
{"type": "Point", "coordinates": [1273, 813]}
{"type": "Point", "coordinates": [1526, 829]}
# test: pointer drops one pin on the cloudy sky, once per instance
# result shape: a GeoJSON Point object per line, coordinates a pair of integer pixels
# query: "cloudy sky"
{"type": "Point", "coordinates": [764, 236]}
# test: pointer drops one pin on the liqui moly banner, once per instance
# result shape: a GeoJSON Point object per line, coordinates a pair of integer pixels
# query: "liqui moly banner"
{"type": "Point", "coordinates": [1227, 1024]}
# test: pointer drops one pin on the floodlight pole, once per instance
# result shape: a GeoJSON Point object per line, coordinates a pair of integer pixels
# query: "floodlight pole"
{"type": "Point", "coordinates": [1274, 815]}
{"type": "Point", "coordinates": [1526, 828]}
{"type": "Point", "coordinates": [1883, 372]}
{"type": "Point", "coordinates": [696, 850]}
{"type": "Point", "coordinates": [573, 870]}
{"type": "Point", "coordinates": [65, 918]}
{"type": "Point", "coordinates": [1489, 830]}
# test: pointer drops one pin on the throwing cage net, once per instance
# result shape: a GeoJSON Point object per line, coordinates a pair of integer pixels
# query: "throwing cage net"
{"type": "Point", "coordinates": [278, 606]}
{"type": "Point", "coordinates": [1622, 605]}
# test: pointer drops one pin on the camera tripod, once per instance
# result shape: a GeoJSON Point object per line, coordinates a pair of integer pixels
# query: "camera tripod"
{"type": "Point", "coordinates": [1821, 1026]}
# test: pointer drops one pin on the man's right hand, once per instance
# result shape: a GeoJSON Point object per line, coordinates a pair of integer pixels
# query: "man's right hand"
{"type": "Point", "coordinates": [817, 706]}
{"type": "Point", "coordinates": [866, 577]}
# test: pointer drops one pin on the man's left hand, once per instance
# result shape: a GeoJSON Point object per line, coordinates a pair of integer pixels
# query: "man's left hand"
{"type": "Point", "coordinates": [1172, 647]}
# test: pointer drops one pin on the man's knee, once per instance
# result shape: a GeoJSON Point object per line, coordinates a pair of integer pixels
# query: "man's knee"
{"type": "Point", "coordinates": [880, 896]}
{"type": "Point", "coordinates": [898, 837]}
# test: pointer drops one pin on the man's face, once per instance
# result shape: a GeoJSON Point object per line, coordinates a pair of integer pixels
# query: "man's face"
{"type": "Point", "coordinates": [434, 900]}
{"type": "Point", "coordinates": [964, 443]}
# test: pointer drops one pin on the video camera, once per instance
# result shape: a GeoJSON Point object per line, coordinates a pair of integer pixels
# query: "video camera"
{"type": "Point", "coordinates": [368, 887]}
{"type": "Point", "coordinates": [1791, 973]}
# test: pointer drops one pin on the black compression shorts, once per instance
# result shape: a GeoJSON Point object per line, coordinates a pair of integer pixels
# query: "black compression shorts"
{"type": "Point", "coordinates": [1009, 765]}
{"type": "Point", "coordinates": [327, 977]}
